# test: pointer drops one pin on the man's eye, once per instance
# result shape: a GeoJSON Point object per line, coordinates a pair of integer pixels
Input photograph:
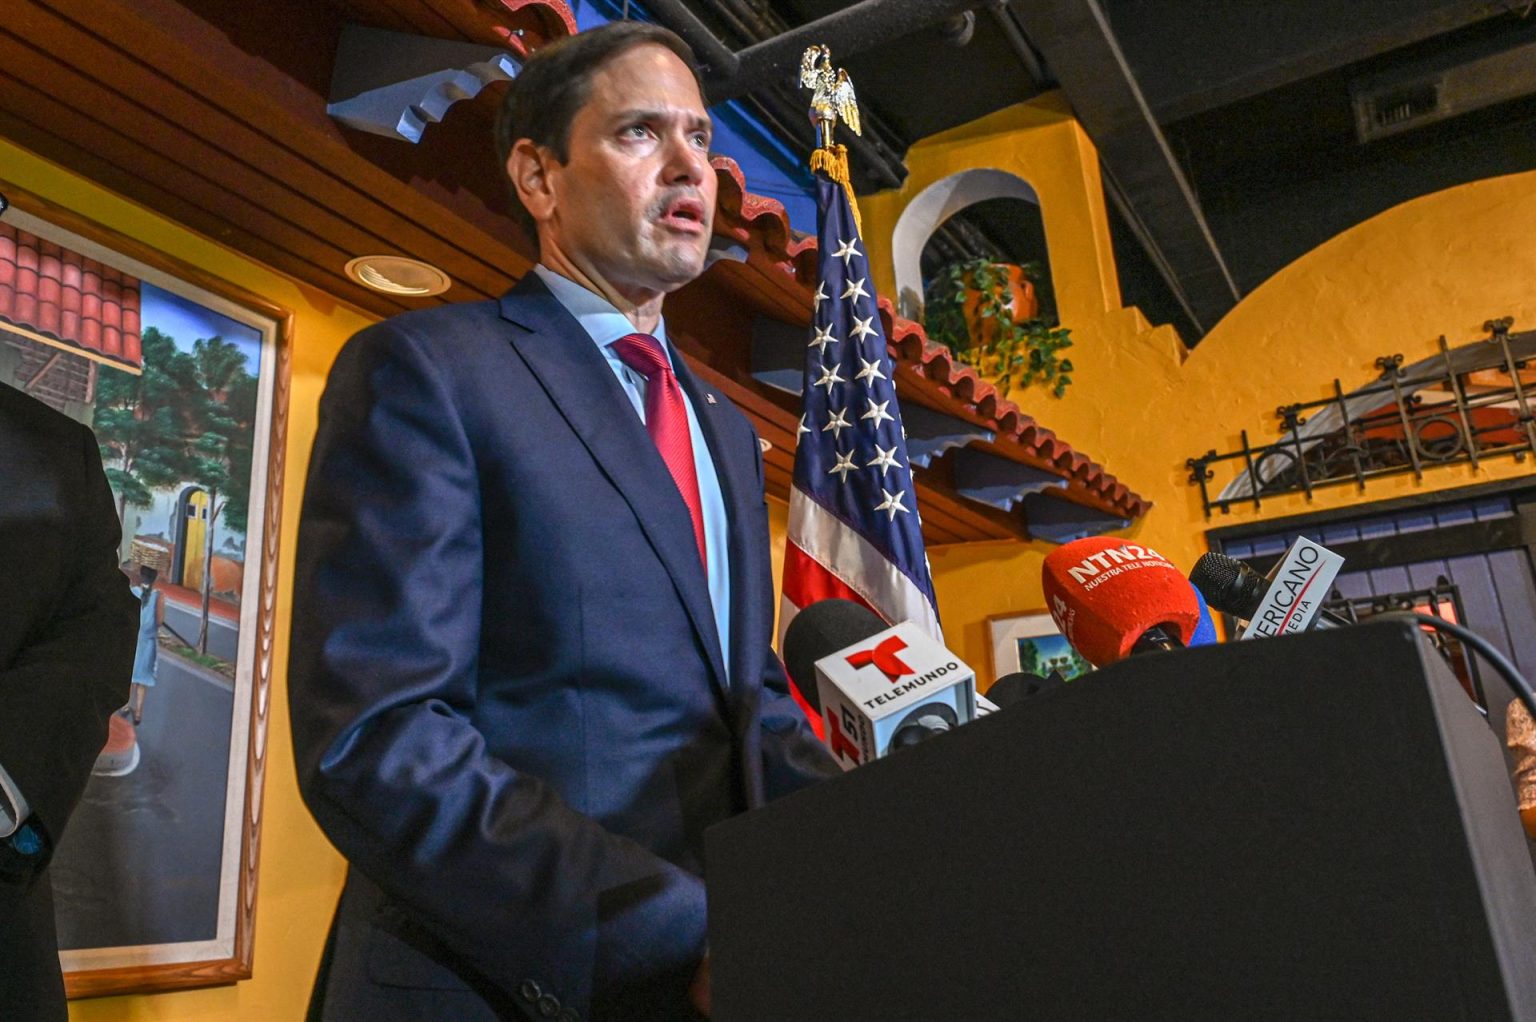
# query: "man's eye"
{"type": "Point", "coordinates": [701, 140]}
{"type": "Point", "coordinates": [636, 131]}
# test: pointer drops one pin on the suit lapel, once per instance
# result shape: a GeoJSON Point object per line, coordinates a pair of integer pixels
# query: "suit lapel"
{"type": "Point", "coordinates": [583, 388]}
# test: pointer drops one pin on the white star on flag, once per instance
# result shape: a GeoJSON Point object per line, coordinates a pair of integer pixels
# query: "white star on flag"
{"type": "Point", "coordinates": [892, 503]}
{"type": "Point", "coordinates": [878, 412]}
{"type": "Point", "coordinates": [855, 289]}
{"type": "Point", "coordinates": [804, 429]}
{"type": "Point", "coordinates": [884, 459]}
{"type": "Point", "coordinates": [847, 250]}
{"type": "Point", "coordinates": [820, 295]}
{"type": "Point", "coordinates": [828, 378]}
{"type": "Point", "coordinates": [870, 372]}
{"type": "Point", "coordinates": [862, 328]}
{"type": "Point", "coordinates": [843, 467]}
{"type": "Point", "coordinates": [836, 423]}
{"type": "Point", "coordinates": [822, 339]}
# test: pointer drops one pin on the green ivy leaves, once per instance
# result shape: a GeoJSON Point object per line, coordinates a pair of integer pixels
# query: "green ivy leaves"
{"type": "Point", "coordinates": [1028, 351]}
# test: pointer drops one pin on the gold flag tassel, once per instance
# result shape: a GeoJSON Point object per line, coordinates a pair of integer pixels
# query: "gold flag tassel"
{"type": "Point", "coordinates": [832, 100]}
{"type": "Point", "coordinates": [832, 160]}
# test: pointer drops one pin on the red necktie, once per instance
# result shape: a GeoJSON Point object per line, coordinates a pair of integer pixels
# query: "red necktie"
{"type": "Point", "coordinates": [666, 419]}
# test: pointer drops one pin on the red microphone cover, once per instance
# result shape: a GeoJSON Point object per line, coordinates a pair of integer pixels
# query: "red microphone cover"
{"type": "Point", "coordinates": [1104, 593]}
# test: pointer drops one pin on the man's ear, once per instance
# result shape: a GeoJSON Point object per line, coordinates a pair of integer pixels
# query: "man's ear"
{"type": "Point", "coordinates": [530, 167]}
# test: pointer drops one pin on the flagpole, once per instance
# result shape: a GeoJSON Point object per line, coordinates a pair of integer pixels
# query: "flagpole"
{"type": "Point", "coordinates": [854, 532]}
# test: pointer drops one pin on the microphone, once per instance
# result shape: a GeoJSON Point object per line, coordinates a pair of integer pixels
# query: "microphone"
{"type": "Point", "coordinates": [878, 688]}
{"type": "Point", "coordinates": [820, 629]}
{"type": "Point", "coordinates": [1020, 685]}
{"type": "Point", "coordinates": [922, 724]}
{"type": "Point", "coordinates": [1112, 598]}
{"type": "Point", "coordinates": [1287, 601]}
{"type": "Point", "coordinates": [1205, 632]}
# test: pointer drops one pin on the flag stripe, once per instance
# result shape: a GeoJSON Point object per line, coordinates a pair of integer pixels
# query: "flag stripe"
{"type": "Point", "coordinates": [845, 554]}
{"type": "Point", "coordinates": [806, 581]}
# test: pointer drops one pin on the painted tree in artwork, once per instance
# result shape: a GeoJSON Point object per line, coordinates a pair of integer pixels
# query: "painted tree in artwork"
{"type": "Point", "coordinates": [220, 449]}
{"type": "Point", "coordinates": [142, 421]}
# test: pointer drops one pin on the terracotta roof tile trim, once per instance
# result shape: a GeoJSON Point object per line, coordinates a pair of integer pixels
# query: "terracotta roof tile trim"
{"type": "Point", "coordinates": [762, 224]}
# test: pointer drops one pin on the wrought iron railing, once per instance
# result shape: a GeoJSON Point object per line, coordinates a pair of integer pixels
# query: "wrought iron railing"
{"type": "Point", "coordinates": [1442, 600]}
{"type": "Point", "coordinates": [1432, 413]}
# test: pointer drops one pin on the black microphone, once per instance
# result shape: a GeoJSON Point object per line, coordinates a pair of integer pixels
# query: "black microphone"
{"type": "Point", "coordinates": [871, 676]}
{"type": "Point", "coordinates": [1020, 685]}
{"type": "Point", "coordinates": [922, 724]}
{"type": "Point", "coordinates": [1233, 587]}
{"type": "Point", "coordinates": [819, 630]}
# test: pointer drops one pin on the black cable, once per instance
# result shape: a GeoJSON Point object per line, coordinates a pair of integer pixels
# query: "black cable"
{"type": "Point", "coordinates": [1499, 661]}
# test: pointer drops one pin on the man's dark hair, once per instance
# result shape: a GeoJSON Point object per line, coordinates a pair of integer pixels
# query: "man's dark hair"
{"type": "Point", "coordinates": [556, 83]}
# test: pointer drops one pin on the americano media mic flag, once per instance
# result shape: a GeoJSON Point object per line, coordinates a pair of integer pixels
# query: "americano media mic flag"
{"type": "Point", "coordinates": [854, 532]}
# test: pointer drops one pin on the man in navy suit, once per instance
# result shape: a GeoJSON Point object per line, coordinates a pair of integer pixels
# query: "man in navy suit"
{"type": "Point", "coordinates": [531, 623]}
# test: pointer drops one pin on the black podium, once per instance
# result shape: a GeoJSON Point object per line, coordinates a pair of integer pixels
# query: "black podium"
{"type": "Point", "coordinates": [1317, 827]}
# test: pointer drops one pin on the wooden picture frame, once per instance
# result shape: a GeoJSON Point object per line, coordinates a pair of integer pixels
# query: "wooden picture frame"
{"type": "Point", "coordinates": [1008, 634]}
{"type": "Point", "coordinates": [127, 922]}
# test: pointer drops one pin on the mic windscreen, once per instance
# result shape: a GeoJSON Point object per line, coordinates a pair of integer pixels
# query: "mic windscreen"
{"type": "Point", "coordinates": [1104, 594]}
{"type": "Point", "coordinates": [820, 630]}
{"type": "Point", "coordinates": [1205, 632]}
{"type": "Point", "coordinates": [1019, 686]}
{"type": "Point", "coordinates": [1228, 584]}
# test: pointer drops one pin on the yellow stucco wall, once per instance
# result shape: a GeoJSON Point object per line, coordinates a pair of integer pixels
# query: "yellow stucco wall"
{"type": "Point", "coordinates": [1140, 403]}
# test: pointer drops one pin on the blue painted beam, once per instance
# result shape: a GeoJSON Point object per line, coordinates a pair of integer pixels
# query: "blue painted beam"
{"type": "Point", "coordinates": [1061, 521]}
{"type": "Point", "coordinates": [778, 354]}
{"type": "Point", "coordinates": [931, 433]}
{"type": "Point", "coordinates": [995, 481]}
{"type": "Point", "coordinates": [394, 84]}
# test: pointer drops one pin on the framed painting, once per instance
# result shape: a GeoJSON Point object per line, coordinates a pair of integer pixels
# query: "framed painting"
{"type": "Point", "coordinates": [183, 378]}
{"type": "Point", "coordinates": [1031, 643]}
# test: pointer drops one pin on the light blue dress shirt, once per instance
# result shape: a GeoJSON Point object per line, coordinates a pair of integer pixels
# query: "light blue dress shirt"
{"type": "Point", "coordinates": [606, 324]}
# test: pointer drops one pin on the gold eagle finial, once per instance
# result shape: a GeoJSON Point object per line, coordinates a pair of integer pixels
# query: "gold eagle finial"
{"type": "Point", "coordinates": [832, 95]}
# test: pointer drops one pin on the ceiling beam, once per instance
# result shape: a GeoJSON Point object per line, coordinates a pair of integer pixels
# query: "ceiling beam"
{"type": "Point", "coordinates": [854, 29]}
{"type": "Point", "coordinates": [1139, 169]}
{"type": "Point", "coordinates": [1195, 58]}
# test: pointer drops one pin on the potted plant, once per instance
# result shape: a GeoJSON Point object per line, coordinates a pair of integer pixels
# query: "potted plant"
{"type": "Point", "coordinates": [988, 315]}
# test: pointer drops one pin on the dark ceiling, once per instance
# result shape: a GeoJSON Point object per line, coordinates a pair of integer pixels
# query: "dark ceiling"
{"type": "Point", "coordinates": [1227, 131]}
{"type": "Point", "coordinates": [1234, 135]}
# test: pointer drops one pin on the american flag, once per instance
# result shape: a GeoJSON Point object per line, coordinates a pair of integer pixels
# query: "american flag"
{"type": "Point", "coordinates": [854, 533]}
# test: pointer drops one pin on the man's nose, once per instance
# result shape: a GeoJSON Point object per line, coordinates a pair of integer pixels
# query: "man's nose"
{"type": "Point", "coordinates": [686, 162]}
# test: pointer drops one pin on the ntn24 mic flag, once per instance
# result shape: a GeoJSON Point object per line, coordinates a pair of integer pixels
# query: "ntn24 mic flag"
{"type": "Point", "coordinates": [1105, 593]}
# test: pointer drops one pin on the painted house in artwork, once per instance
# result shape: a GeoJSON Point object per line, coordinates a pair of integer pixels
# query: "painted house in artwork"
{"type": "Point", "coordinates": [89, 340]}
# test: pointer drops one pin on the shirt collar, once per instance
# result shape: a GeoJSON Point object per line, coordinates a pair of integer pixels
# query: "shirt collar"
{"type": "Point", "coordinates": [597, 316]}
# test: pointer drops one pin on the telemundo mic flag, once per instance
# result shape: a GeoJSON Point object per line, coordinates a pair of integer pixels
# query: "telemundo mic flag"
{"type": "Point", "coordinates": [854, 532]}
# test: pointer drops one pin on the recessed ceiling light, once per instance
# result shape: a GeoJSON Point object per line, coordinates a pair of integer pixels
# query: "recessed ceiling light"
{"type": "Point", "coordinates": [397, 275]}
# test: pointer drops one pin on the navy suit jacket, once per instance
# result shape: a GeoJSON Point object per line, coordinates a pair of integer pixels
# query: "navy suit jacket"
{"type": "Point", "coordinates": [510, 708]}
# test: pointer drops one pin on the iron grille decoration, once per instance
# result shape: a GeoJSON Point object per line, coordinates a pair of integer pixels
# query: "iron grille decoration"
{"type": "Point", "coordinates": [1442, 600]}
{"type": "Point", "coordinates": [1462, 405]}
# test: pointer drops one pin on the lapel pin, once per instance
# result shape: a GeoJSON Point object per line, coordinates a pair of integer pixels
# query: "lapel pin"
{"type": "Point", "coordinates": [709, 398]}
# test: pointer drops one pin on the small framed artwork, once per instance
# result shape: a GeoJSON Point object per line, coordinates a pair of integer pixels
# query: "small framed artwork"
{"type": "Point", "coordinates": [183, 378]}
{"type": "Point", "coordinates": [1030, 643]}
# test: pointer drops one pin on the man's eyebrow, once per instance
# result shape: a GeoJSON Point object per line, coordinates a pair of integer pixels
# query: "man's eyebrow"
{"type": "Point", "coordinates": [638, 115]}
